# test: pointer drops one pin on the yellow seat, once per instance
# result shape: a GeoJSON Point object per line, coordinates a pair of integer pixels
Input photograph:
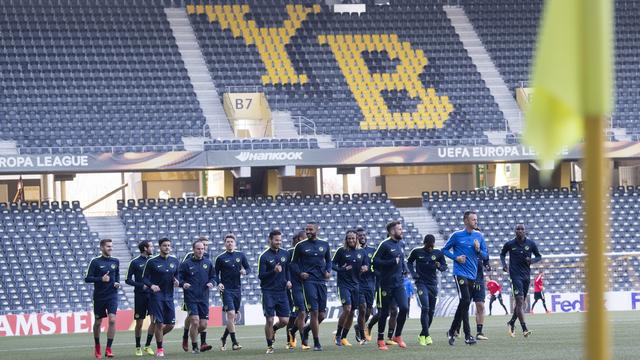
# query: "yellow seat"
{"type": "Point", "coordinates": [438, 121]}
{"type": "Point", "coordinates": [429, 124]}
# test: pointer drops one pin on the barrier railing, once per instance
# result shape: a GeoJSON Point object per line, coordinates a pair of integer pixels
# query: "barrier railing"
{"type": "Point", "coordinates": [306, 126]}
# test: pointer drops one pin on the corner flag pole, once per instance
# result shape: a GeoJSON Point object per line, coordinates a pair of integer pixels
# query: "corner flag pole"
{"type": "Point", "coordinates": [597, 39]}
{"type": "Point", "coordinates": [596, 185]}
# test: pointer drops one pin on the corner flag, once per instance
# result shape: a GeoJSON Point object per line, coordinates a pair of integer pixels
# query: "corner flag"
{"type": "Point", "coordinates": [572, 74]}
{"type": "Point", "coordinates": [572, 80]}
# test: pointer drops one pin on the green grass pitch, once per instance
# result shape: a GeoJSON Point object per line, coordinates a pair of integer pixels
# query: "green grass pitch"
{"type": "Point", "coordinates": [556, 336]}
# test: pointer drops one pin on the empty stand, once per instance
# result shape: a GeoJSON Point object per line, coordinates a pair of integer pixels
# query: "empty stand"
{"type": "Point", "coordinates": [44, 253]}
{"type": "Point", "coordinates": [508, 29]}
{"type": "Point", "coordinates": [553, 218]}
{"type": "Point", "coordinates": [565, 274]}
{"type": "Point", "coordinates": [106, 76]}
{"type": "Point", "coordinates": [89, 75]}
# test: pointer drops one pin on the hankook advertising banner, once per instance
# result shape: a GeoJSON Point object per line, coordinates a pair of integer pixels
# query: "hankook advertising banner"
{"type": "Point", "coordinates": [375, 156]}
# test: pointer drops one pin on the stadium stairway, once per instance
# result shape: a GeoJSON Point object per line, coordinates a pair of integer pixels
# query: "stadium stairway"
{"type": "Point", "coordinates": [422, 220]}
{"type": "Point", "coordinates": [203, 85]}
{"type": "Point", "coordinates": [488, 71]}
{"type": "Point", "coordinates": [283, 126]}
{"type": "Point", "coordinates": [620, 133]}
{"type": "Point", "coordinates": [8, 147]}
{"type": "Point", "coordinates": [110, 227]}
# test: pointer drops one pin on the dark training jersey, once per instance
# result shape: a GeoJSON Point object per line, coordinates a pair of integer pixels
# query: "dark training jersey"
{"type": "Point", "coordinates": [161, 271]}
{"type": "Point", "coordinates": [368, 278]}
{"type": "Point", "coordinates": [344, 257]}
{"type": "Point", "coordinates": [425, 265]}
{"type": "Point", "coordinates": [296, 283]}
{"type": "Point", "coordinates": [520, 257]}
{"type": "Point", "coordinates": [134, 274]}
{"type": "Point", "coordinates": [197, 273]}
{"type": "Point", "coordinates": [228, 266]}
{"type": "Point", "coordinates": [270, 280]}
{"type": "Point", "coordinates": [188, 255]}
{"type": "Point", "coordinates": [389, 271]}
{"type": "Point", "coordinates": [312, 257]}
{"type": "Point", "coordinates": [98, 267]}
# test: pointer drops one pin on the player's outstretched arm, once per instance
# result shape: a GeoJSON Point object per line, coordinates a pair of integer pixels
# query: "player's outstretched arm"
{"type": "Point", "coordinates": [89, 276]}
{"type": "Point", "coordinates": [245, 264]}
{"type": "Point", "coordinates": [182, 273]}
{"type": "Point", "coordinates": [117, 271]}
{"type": "Point", "coordinates": [503, 256]}
{"type": "Point", "coordinates": [443, 263]}
{"type": "Point", "coordinates": [294, 266]}
{"type": "Point", "coordinates": [146, 275]}
{"type": "Point", "coordinates": [327, 260]}
{"type": "Point", "coordinates": [410, 266]}
{"type": "Point", "coordinates": [446, 249]}
{"type": "Point", "coordinates": [536, 253]}
{"type": "Point", "coordinates": [262, 268]}
{"type": "Point", "coordinates": [336, 261]}
{"type": "Point", "coordinates": [217, 267]}
{"type": "Point", "coordinates": [139, 285]}
{"type": "Point", "coordinates": [484, 252]}
{"type": "Point", "coordinates": [212, 275]}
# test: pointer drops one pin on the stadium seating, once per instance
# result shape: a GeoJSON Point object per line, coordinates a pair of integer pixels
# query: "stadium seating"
{"type": "Point", "coordinates": [566, 274]}
{"type": "Point", "coordinates": [84, 81]}
{"type": "Point", "coordinates": [553, 218]}
{"type": "Point", "coordinates": [510, 46]}
{"type": "Point", "coordinates": [45, 249]}
{"type": "Point", "coordinates": [251, 220]}
{"type": "Point", "coordinates": [257, 144]}
{"type": "Point", "coordinates": [508, 30]}
{"type": "Point", "coordinates": [90, 75]}
{"type": "Point", "coordinates": [335, 69]}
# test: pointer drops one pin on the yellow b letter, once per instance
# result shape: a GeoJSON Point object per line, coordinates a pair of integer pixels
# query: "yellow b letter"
{"type": "Point", "coordinates": [431, 112]}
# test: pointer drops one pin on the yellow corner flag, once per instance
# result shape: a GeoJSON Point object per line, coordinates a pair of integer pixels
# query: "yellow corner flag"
{"type": "Point", "coordinates": [572, 74]}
